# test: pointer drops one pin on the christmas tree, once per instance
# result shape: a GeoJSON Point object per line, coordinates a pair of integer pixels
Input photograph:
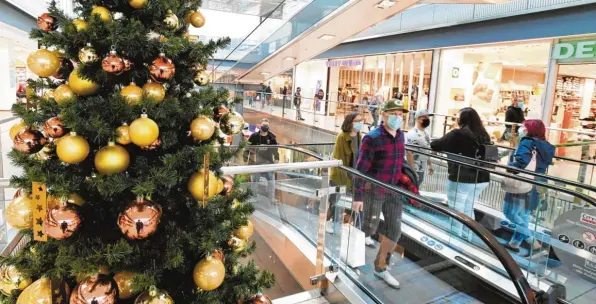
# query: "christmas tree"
{"type": "Point", "coordinates": [136, 209]}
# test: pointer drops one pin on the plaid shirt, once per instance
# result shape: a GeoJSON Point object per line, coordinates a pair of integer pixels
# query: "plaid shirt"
{"type": "Point", "coordinates": [381, 157]}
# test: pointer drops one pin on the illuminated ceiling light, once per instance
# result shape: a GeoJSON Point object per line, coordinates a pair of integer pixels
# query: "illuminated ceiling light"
{"type": "Point", "coordinates": [385, 4]}
{"type": "Point", "coordinates": [290, 58]}
{"type": "Point", "coordinates": [264, 73]}
{"type": "Point", "coordinates": [327, 37]}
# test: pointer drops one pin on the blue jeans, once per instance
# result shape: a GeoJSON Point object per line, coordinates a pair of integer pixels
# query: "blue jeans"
{"type": "Point", "coordinates": [514, 208]}
{"type": "Point", "coordinates": [461, 197]}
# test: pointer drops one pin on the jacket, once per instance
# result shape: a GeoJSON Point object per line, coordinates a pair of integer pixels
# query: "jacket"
{"type": "Point", "coordinates": [545, 152]}
{"type": "Point", "coordinates": [514, 115]}
{"type": "Point", "coordinates": [343, 151]}
{"type": "Point", "coordinates": [462, 142]}
{"type": "Point", "coordinates": [265, 155]}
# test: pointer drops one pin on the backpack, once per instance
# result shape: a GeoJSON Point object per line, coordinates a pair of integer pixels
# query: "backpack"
{"type": "Point", "coordinates": [485, 152]}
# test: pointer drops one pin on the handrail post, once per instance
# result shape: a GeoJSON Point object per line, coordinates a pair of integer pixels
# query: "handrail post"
{"type": "Point", "coordinates": [323, 207]}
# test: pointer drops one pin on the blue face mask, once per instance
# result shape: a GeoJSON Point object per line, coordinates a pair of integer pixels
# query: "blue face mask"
{"type": "Point", "coordinates": [395, 122]}
{"type": "Point", "coordinates": [520, 105]}
{"type": "Point", "coordinates": [522, 132]}
{"type": "Point", "coordinates": [358, 126]}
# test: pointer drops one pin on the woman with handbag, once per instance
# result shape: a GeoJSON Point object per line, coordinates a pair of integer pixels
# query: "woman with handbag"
{"type": "Point", "coordinates": [535, 154]}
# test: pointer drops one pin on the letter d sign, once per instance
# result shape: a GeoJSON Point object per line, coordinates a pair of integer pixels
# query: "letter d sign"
{"type": "Point", "coordinates": [563, 51]}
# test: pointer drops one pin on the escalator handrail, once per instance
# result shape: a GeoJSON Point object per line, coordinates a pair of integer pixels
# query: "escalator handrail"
{"type": "Point", "coordinates": [580, 161]}
{"type": "Point", "coordinates": [522, 286]}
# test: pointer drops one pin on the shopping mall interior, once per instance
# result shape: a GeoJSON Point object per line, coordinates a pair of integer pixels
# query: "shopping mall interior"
{"type": "Point", "coordinates": [298, 151]}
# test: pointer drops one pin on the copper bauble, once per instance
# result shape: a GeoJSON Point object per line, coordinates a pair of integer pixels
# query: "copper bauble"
{"type": "Point", "coordinates": [11, 279]}
{"type": "Point", "coordinates": [137, 3]}
{"type": "Point", "coordinates": [143, 131]}
{"type": "Point", "coordinates": [140, 219]}
{"type": "Point", "coordinates": [209, 273]}
{"type": "Point", "coordinates": [63, 93]}
{"type": "Point", "coordinates": [72, 148]}
{"type": "Point", "coordinates": [122, 134]}
{"type": "Point", "coordinates": [66, 67]}
{"type": "Point", "coordinates": [162, 69]}
{"type": "Point", "coordinates": [201, 78]}
{"type": "Point", "coordinates": [16, 129]}
{"type": "Point", "coordinates": [171, 20]}
{"type": "Point", "coordinates": [103, 13]}
{"type": "Point", "coordinates": [19, 212]}
{"type": "Point", "coordinates": [231, 123]}
{"type": "Point", "coordinates": [112, 63]}
{"type": "Point", "coordinates": [153, 146]}
{"type": "Point", "coordinates": [197, 19]}
{"type": "Point", "coordinates": [258, 298]}
{"type": "Point", "coordinates": [81, 86]}
{"type": "Point", "coordinates": [127, 65]}
{"type": "Point", "coordinates": [46, 22]}
{"type": "Point", "coordinates": [29, 141]}
{"type": "Point", "coordinates": [80, 25]}
{"type": "Point", "coordinates": [124, 280]}
{"type": "Point", "coordinates": [244, 232]}
{"type": "Point", "coordinates": [196, 185]}
{"type": "Point", "coordinates": [132, 93]}
{"type": "Point", "coordinates": [154, 296]}
{"type": "Point", "coordinates": [45, 291]}
{"type": "Point", "coordinates": [61, 222]}
{"type": "Point", "coordinates": [111, 159]}
{"type": "Point", "coordinates": [46, 153]}
{"type": "Point", "coordinates": [237, 244]}
{"type": "Point", "coordinates": [228, 184]}
{"type": "Point", "coordinates": [155, 91]}
{"type": "Point", "coordinates": [88, 54]}
{"type": "Point", "coordinates": [43, 63]}
{"type": "Point", "coordinates": [219, 112]}
{"type": "Point", "coordinates": [54, 127]}
{"type": "Point", "coordinates": [202, 128]}
{"type": "Point", "coordinates": [98, 289]}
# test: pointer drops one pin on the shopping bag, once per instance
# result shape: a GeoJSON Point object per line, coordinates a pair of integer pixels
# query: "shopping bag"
{"type": "Point", "coordinates": [515, 186]}
{"type": "Point", "coordinates": [353, 248]}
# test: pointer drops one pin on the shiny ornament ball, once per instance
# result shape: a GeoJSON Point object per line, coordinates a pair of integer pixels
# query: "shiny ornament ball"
{"type": "Point", "coordinates": [72, 149]}
{"type": "Point", "coordinates": [202, 128]}
{"type": "Point", "coordinates": [29, 141]}
{"type": "Point", "coordinates": [201, 78]}
{"type": "Point", "coordinates": [220, 186]}
{"type": "Point", "coordinates": [124, 280]}
{"type": "Point", "coordinates": [63, 93]}
{"type": "Point", "coordinates": [46, 22]}
{"type": "Point", "coordinates": [66, 67]}
{"type": "Point", "coordinates": [171, 20]}
{"type": "Point", "coordinates": [162, 69]}
{"type": "Point", "coordinates": [196, 185]}
{"type": "Point", "coordinates": [228, 183]}
{"type": "Point", "coordinates": [45, 291]}
{"type": "Point", "coordinates": [153, 146]}
{"type": "Point", "coordinates": [187, 17]}
{"type": "Point", "coordinates": [140, 219]}
{"type": "Point", "coordinates": [231, 123]}
{"type": "Point", "coordinates": [88, 54]}
{"type": "Point", "coordinates": [237, 244]}
{"type": "Point", "coordinates": [143, 131]}
{"type": "Point", "coordinates": [16, 129]}
{"type": "Point", "coordinates": [209, 273]}
{"type": "Point", "coordinates": [81, 86]}
{"type": "Point", "coordinates": [258, 298]}
{"type": "Point", "coordinates": [112, 63]}
{"type": "Point", "coordinates": [103, 13]}
{"type": "Point", "coordinates": [11, 279]}
{"type": "Point", "coordinates": [112, 159]}
{"type": "Point", "coordinates": [80, 25]}
{"type": "Point", "coordinates": [220, 111]}
{"type": "Point", "coordinates": [98, 289]}
{"type": "Point", "coordinates": [132, 93]}
{"type": "Point", "coordinates": [19, 212]}
{"type": "Point", "coordinates": [127, 64]}
{"type": "Point", "coordinates": [154, 296]}
{"type": "Point", "coordinates": [137, 3]}
{"type": "Point", "coordinates": [244, 232]}
{"type": "Point", "coordinates": [61, 222]}
{"type": "Point", "coordinates": [123, 134]}
{"type": "Point", "coordinates": [43, 63]}
{"type": "Point", "coordinates": [155, 91]}
{"type": "Point", "coordinates": [55, 202]}
{"type": "Point", "coordinates": [197, 19]}
{"type": "Point", "coordinates": [54, 127]}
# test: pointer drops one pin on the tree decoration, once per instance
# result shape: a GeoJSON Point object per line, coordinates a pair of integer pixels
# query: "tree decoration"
{"type": "Point", "coordinates": [19, 212]}
{"type": "Point", "coordinates": [16, 129]}
{"type": "Point", "coordinates": [103, 13]}
{"type": "Point", "coordinates": [65, 69]}
{"type": "Point", "coordinates": [155, 91]}
{"type": "Point", "coordinates": [54, 127]}
{"type": "Point", "coordinates": [123, 134]}
{"type": "Point", "coordinates": [46, 22]}
{"type": "Point", "coordinates": [113, 63]}
{"type": "Point", "coordinates": [72, 149]}
{"type": "Point", "coordinates": [75, 199]}
{"type": "Point", "coordinates": [238, 245]}
{"type": "Point", "coordinates": [197, 19]}
{"type": "Point", "coordinates": [43, 63]}
{"type": "Point", "coordinates": [202, 128]}
{"type": "Point", "coordinates": [127, 65]}
{"type": "Point", "coordinates": [80, 25]}
{"type": "Point", "coordinates": [140, 219]}
{"type": "Point", "coordinates": [258, 298]}
{"type": "Point", "coordinates": [209, 273]}
{"type": "Point", "coordinates": [244, 232]}
{"type": "Point", "coordinates": [143, 131]}
{"type": "Point", "coordinates": [132, 93]}
{"type": "Point", "coordinates": [228, 184]}
{"type": "Point", "coordinates": [137, 3]}
{"type": "Point", "coordinates": [111, 159]}
{"type": "Point", "coordinates": [219, 112]}
{"type": "Point", "coordinates": [231, 123]}
{"type": "Point", "coordinates": [81, 86]}
{"type": "Point", "coordinates": [201, 78]}
{"type": "Point", "coordinates": [98, 289]}
{"type": "Point", "coordinates": [152, 147]}
{"type": "Point", "coordinates": [196, 185]}
{"type": "Point", "coordinates": [29, 141]}
{"type": "Point", "coordinates": [88, 54]}
{"type": "Point", "coordinates": [187, 17]}
{"type": "Point", "coordinates": [154, 296]}
{"type": "Point", "coordinates": [124, 281]}
{"type": "Point", "coordinates": [162, 69]}
{"type": "Point", "coordinates": [61, 222]}
{"type": "Point", "coordinates": [11, 279]}
{"type": "Point", "coordinates": [44, 291]}
{"type": "Point", "coordinates": [171, 20]}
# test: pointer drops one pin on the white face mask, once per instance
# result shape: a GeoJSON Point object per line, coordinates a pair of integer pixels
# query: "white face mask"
{"type": "Point", "coordinates": [394, 122]}
{"type": "Point", "coordinates": [358, 126]}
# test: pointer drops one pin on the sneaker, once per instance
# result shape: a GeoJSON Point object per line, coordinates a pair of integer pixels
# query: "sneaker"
{"type": "Point", "coordinates": [329, 227]}
{"type": "Point", "coordinates": [369, 242]}
{"type": "Point", "coordinates": [388, 278]}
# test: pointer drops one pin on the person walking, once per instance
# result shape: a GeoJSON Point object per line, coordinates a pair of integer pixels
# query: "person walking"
{"type": "Point", "coordinates": [259, 156]}
{"type": "Point", "coordinates": [518, 207]}
{"type": "Point", "coordinates": [346, 149]}
{"type": "Point", "coordinates": [269, 94]}
{"type": "Point", "coordinates": [418, 136]}
{"type": "Point", "coordinates": [464, 184]}
{"type": "Point", "coordinates": [374, 111]}
{"type": "Point", "coordinates": [298, 103]}
{"type": "Point", "coordinates": [381, 157]}
{"type": "Point", "coordinates": [514, 114]}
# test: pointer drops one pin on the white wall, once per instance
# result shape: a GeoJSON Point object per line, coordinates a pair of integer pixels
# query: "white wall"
{"type": "Point", "coordinates": [308, 74]}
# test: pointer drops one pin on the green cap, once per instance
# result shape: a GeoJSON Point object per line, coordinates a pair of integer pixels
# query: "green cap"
{"type": "Point", "coordinates": [394, 104]}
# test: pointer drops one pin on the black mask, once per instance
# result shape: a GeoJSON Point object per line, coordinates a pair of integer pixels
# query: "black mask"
{"type": "Point", "coordinates": [265, 128]}
{"type": "Point", "coordinates": [425, 122]}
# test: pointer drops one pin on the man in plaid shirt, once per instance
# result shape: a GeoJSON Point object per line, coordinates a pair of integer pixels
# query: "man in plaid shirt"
{"type": "Point", "coordinates": [381, 157]}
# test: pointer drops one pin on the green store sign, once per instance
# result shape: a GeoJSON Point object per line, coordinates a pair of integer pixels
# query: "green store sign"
{"type": "Point", "coordinates": [575, 51]}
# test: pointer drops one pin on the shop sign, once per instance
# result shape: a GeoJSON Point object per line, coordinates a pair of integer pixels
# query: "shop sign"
{"type": "Point", "coordinates": [344, 62]}
{"type": "Point", "coordinates": [575, 51]}
{"type": "Point", "coordinates": [455, 72]}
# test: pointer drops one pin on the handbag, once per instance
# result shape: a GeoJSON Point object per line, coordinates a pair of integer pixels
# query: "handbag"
{"type": "Point", "coordinates": [515, 186]}
{"type": "Point", "coordinates": [353, 247]}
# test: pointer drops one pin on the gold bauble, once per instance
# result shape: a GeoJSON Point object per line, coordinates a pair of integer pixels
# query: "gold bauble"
{"type": "Point", "coordinates": [132, 93]}
{"type": "Point", "coordinates": [231, 123]}
{"type": "Point", "coordinates": [124, 281]}
{"type": "Point", "coordinates": [63, 93]}
{"type": "Point", "coordinates": [187, 17]}
{"type": "Point", "coordinates": [11, 279]}
{"type": "Point", "coordinates": [137, 3]}
{"type": "Point", "coordinates": [143, 131]}
{"type": "Point", "coordinates": [16, 129]}
{"type": "Point", "coordinates": [45, 291]}
{"type": "Point", "coordinates": [202, 128]}
{"type": "Point", "coordinates": [209, 273]}
{"type": "Point", "coordinates": [197, 19]}
{"type": "Point", "coordinates": [19, 213]}
{"type": "Point", "coordinates": [111, 159]}
{"type": "Point", "coordinates": [237, 244]}
{"type": "Point", "coordinates": [202, 78]}
{"type": "Point", "coordinates": [80, 25]}
{"type": "Point", "coordinates": [54, 202]}
{"type": "Point", "coordinates": [72, 149]}
{"type": "Point", "coordinates": [171, 20]}
{"type": "Point", "coordinates": [196, 185]}
{"type": "Point", "coordinates": [220, 186]}
{"type": "Point", "coordinates": [103, 13]}
{"type": "Point", "coordinates": [154, 296]}
{"type": "Point", "coordinates": [123, 134]}
{"type": "Point", "coordinates": [43, 63]}
{"type": "Point", "coordinates": [80, 86]}
{"type": "Point", "coordinates": [244, 232]}
{"type": "Point", "coordinates": [88, 54]}
{"type": "Point", "coordinates": [155, 91]}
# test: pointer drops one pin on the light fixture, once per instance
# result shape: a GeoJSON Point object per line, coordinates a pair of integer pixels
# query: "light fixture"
{"type": "Point", "coordinates": [290, 58]}
{"type": "Point", "coordinates": [264, 73]}
{"type": "Point", "coordinates": [385, 4]}
{"type": "Point", "coordinates": [327, 37]}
